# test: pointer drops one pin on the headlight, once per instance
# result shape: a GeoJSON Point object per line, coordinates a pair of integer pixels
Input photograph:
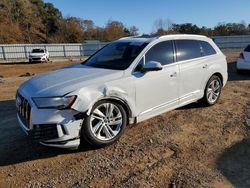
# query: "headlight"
{"type": "Point", "coordinates": [54, 102]}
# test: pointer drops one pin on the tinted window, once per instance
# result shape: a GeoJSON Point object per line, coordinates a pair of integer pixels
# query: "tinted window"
{"type": "Point", "coordinates": [207, 48]}
{"type": "Point", "coordinates": [161, 52]}
{"type": "Point", "coordinates": [37, 51]}
{"type": "Point", "coordinates": [247, 49]}
{"type": "Point", "coordinates": [187, 49]}
{"type": "Point", "coordinates": [116, 55]}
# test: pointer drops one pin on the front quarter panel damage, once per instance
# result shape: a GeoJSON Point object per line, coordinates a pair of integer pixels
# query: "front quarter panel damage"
{"type": "Point", "coordinates": [87, 97]}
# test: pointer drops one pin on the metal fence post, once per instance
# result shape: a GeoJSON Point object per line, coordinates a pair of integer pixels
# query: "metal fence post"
{"type": "Point", "coordinates": [81, 50]}
{"type": "Point", "coordinates": [64, 51]}
{"type": "Point", "coordinates": [3, 51]}
{"type": "Point", "coordinates": [25, 51]}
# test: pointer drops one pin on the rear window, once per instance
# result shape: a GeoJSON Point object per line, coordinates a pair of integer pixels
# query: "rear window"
{"type": "Point", "coordinates": [207, 48]}
{"type": "Point", "coordinates": [37, 51]}
{"type": "Point", "coordinates": [247, 49]}
{"type": "Point", "coordinates": [188, 49]}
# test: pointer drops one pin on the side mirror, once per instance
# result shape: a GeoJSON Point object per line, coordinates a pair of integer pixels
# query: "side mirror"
{"type": "Point", "coordinates": [152, 66]}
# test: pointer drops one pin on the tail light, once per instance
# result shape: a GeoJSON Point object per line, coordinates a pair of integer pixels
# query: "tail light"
{"type": "Point", "coordinates": [241, 56]}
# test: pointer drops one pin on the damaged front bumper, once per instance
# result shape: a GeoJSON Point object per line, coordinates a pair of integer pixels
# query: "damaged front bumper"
{"type": "Point", "coordinates": [50, 127]}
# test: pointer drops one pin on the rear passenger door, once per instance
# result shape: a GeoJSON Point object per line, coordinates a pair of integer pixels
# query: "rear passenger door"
{"type": "Point", "coordinates": [192, 69]}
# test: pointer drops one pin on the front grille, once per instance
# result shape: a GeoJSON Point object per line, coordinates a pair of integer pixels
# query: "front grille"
{"type": "Point", "coordinates": [36, 58]}
{"type": "Point", "coordinates": [23, 109]}
{"type": "Point", "coordinates": [44, 132]}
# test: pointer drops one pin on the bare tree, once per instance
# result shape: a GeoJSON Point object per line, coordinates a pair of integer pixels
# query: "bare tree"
{"type": "Point", "coordinates": [133, 31]}
{"type": "Point", "coordinates": [163, 25]}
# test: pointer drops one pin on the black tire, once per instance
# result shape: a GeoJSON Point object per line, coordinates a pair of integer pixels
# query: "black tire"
{"type": "Point", "coordinates": [206, 100]}
{"type": "Point", "coordinates": [87, 132]}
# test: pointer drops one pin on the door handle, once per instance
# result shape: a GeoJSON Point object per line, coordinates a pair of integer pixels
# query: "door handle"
{"type": "Point", "coordinates": [173, 75]}
{"type": "Point", "coordinates": [204, 66]}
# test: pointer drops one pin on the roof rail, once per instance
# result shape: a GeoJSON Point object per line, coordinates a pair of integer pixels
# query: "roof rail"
{"type": "Point", "coordinates": [141, 36]}
{"type": "Point", "coordinates": [126, 38]}
{"type": "Point", "coordinates": [191, 35]}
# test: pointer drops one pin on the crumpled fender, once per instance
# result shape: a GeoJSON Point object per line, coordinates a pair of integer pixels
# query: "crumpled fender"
{"type": "Point", "coordinates": [87, 97]}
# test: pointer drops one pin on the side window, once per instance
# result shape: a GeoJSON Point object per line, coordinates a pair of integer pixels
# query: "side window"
{"type": "Point", "coordinates": [207, 48]}
{"type": "Point", "coordinates": [188, 49]}
{"type": "Point", "coordinates": [161, 52]}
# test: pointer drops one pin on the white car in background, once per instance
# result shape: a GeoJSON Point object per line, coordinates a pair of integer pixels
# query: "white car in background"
{"type": "Point", "coordinates": [126, 82]}
{"type": "Point", "coordinates": [243, 62]}
{"type": "Point", "coordinates": [39, 55]}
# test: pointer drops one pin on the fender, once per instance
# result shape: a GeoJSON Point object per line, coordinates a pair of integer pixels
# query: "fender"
{"type": "Point", "coordinates": [217, 68]}
{"type": "Point", "coordinates": [87, 97]}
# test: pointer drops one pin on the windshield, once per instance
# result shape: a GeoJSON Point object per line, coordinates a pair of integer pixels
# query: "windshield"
{"type": "Point", "coordinates": [37, 51]}
{"type": "Point", "coordinates": [117, 55]}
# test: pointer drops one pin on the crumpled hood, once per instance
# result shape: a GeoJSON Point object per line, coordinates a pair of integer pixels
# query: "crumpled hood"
{"type": "Point", "coordinates": [66, 80]}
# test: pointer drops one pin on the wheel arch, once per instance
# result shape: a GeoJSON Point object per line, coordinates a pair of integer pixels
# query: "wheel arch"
{"type": "Point", "coordinates": [219, 75]}
{"type": "Point", "coordinates": [204, 99]}
{"type": "Point", "coordinates": [213, 74]}
{"type": "Point", "coordinates": [118, 100]}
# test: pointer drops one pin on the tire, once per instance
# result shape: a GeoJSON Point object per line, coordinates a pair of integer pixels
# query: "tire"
{"type": "Point", "coordinates": [98, 128]}
{"type": "Point", "coordinates": [212, 91]}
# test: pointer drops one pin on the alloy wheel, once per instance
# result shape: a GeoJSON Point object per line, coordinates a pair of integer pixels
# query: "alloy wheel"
{"type": "Point", "coordinates": [213, 91]}
{"type": "Point", "coordinates": [106, 121]}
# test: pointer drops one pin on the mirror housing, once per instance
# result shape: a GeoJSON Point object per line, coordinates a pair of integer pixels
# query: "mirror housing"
{"type": "Point", "coordinates": [152, 66]}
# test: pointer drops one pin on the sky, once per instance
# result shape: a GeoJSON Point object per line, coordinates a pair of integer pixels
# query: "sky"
{"type": "Point", "coordinates": [144, 13]}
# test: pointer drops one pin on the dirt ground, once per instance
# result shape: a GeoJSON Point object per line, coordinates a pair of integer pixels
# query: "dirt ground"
{"type": "Point", "coordinates": [193, 146]}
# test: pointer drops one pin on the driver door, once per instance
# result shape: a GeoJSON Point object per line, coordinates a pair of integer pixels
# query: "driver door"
{"type": "Point", "coordinates": [157, 91]}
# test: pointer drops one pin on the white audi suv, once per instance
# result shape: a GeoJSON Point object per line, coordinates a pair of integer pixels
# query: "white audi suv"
{"type": "Point", "coordinates": [127, 81]}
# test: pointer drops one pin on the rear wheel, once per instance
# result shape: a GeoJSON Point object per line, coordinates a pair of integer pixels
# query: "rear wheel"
{"type": "Point", "coordinates": [105, 124]}
{"type": "Point", "coordinates": [212, 91]}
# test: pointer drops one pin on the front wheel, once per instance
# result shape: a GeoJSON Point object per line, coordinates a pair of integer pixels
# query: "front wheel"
{"type": "Point", "coordinates": [105, 124]}
{"type": "Point", "coordinates": [212, 91]}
